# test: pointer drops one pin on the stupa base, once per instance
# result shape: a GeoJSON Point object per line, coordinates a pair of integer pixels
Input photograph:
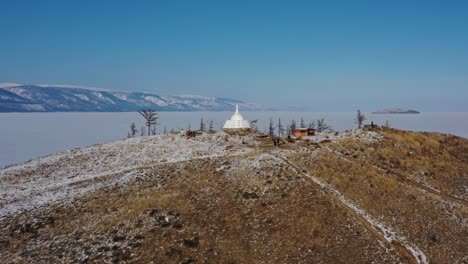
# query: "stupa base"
{"type": "Point", "coordinates": [237, 131]}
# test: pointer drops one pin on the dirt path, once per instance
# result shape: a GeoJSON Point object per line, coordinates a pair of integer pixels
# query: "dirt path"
{"type": "Point", "coordinates": [385, 234]}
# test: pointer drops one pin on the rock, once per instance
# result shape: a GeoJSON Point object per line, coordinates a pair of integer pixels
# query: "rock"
{"type": "Point", "coordinates": [177, 225]}
{"type": "Point", "coordinates": [316, 233]}
{"type": "Point", "coordinates": [33, 225]}
{"type": "Point", "coordinates": [188, 260]}
{"type": "Point", "coordinates": [118, 238]}
{"type": "Point", "coordinates": [173, 252]}
{"type": "Point", "coordinates": [191, 242]}
{"type": "Point", "coordinates": [135, 244]}
{"type": "Point", "coordinates": [83, 258]}
{"type": "Point", "coordinates": [152, 212]}
{"type": "Point", "coordinates": [249, 195]}
{"type": "Point", "coordinates": [434, 238]}
{"type": "Point", "coordinates": [163, 221]}
{"type": "Point", "coordinates": [139, 237]}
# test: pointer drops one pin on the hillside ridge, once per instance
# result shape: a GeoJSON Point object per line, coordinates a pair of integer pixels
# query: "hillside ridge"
{"type": "Point", "coordinates": [371, 195]}
{"type": "Point", "coordinates": [47, 98]}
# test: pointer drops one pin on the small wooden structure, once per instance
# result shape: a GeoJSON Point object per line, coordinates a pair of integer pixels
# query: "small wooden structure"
{"type": "Point", "coordinates": [303, 132]}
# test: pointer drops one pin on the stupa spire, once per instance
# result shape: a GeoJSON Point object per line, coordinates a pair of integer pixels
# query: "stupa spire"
{"type": "Point", "coordinates": [236, 121]}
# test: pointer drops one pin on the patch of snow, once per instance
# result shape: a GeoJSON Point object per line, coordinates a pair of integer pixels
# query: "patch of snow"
{"type": "Point", "coordinates": [101, 96]}
{"type": "Point", "coordinates": [74, 172]}
{"type": "Point", "coordinates": [221, 168]}
{"type": "Point", "coordinates": [21, 92]}
{"type": "Point", "coordinates": [34, 107]}
{"type": "Point", "coordinates": [191, 96]}
{"type": "Point", "coordinates": [156, 100]}
{"type": "Point", "coordinates": [122, 96]}
{"type": "Point", "coordinates": [5, 97]}
{"type": "Point", "coordinates": [6, 85]}
{"type": "Point", "coordinates": [74, 86]}
{"type": "Point", "coordinates": [70, 98]}
{"type": "Point", "coordinates": [82, 97]}
{"type": "Point", "coordinates": [366, 136]}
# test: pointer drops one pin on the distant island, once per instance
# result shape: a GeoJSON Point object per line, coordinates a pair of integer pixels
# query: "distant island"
{"type": "Point", "coordinates": [396, 111]}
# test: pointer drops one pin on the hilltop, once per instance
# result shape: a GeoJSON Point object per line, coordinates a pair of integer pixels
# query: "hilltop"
{"type": "Point", "coordinates": [372, 195]}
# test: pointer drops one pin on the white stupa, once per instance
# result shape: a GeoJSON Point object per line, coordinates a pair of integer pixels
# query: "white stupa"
{"type": "Point", "coordinates": [237, 121]}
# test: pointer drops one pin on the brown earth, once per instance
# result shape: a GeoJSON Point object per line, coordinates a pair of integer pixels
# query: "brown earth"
{"type": "Point", "coordinates": [261, 207]}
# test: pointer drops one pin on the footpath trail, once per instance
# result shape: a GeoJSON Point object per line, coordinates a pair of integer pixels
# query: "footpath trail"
{"type": "Point", "coordinates": [411, 253]}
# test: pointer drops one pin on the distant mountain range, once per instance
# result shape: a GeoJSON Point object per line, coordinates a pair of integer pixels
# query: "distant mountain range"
{"type": "Point", "coordinates": [67, 98]}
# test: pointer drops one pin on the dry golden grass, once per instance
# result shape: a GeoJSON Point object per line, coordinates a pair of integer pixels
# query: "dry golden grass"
{"type": "Point", "coordinates": [262, 212]}
{"type": "Point", "coordinates": [381, 177]}
{"type": "Point", "coordinates": [287, 220]}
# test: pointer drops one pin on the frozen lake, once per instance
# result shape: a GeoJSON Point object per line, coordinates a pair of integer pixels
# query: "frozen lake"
{"type": "Point", "coordinates": [25, 136]}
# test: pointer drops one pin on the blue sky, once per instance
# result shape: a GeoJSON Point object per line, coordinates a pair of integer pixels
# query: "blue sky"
{"type": "Point", "coordinates": [323, 55]}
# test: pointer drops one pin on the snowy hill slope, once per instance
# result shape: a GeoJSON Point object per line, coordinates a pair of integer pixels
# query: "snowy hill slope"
{"type": "Point", "coordinates": [11, 102]}
{"type": "Point", "coordinates": [375, 195]}
{"type": "Point", "coordinates": [57, 176]}
{"type": "Point", "coordinates": [44, 98]}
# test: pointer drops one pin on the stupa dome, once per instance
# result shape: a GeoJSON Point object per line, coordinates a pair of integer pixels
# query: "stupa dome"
{"type": "Point", "coordinates": [236, 121]}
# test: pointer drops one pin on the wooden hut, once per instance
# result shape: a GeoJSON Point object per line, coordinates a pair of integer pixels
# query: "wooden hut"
{"type": "Point", "coordinates": [304, 132]}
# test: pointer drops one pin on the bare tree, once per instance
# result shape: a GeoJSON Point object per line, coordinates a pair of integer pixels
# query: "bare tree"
{"type": "Point", "coordinates": [312, 124]}
{"type": "Point", "coordinates": [153, 130]}
{"type": "Point", "coordinates": [280, 128]}
{"type": "Point", "coordinates": [303, 125]}
{"type": "Point", "coordinates": [271, 128]}
{"type": "Point", "coordinates": [133, 130]}
{"type": "Point", "coordinates": [292, 127]}
{"type": "Point", "coordinates": [253, 124]}
{"type": "Point", "coordinates": [322, 125]}
{"type": "Point", "coordinates": [142, 130]}
{"type": "Point", "coordinates": [360, 117]}
{"type": "Point", "coordinates": [387, 124]}
{"type": "Point", "coordinates": [202, 124]}
{"type": "Point", "coordinates": [211, 126]}
{"type": "Point", "coordinates": [151, 117]}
